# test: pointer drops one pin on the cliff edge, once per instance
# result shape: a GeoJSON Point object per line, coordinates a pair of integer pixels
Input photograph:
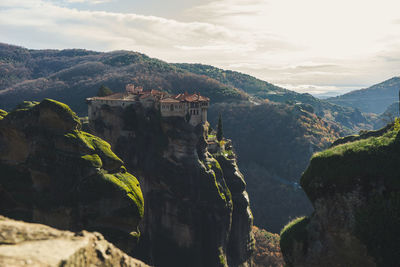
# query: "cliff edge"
{"type": "Point", "coordinates": [355, 189]}
{"type": "Point", "coordinates": [37, 245]}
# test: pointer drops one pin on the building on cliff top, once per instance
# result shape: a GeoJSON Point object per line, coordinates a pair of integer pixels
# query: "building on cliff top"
{"type": "Point", "coordinates": [192, 107]}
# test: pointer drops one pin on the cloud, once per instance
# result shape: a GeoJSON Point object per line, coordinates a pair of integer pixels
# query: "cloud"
{"type": "Point", "coordinates": [115, 30]}
{"type": "Point", "coordinates": [296, 43]}
{"type": "Point", "coordinates": [94, 2]}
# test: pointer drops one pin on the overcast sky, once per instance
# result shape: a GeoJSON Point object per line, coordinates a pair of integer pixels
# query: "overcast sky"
{"type": "Point", "coordinates": [306, 45]}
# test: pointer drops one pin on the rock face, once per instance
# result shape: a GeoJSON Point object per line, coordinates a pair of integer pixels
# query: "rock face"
{"type": "Point", "coordinates": [55, 174]}
{"type": "Point", "coordinates": [197, 210]}
{"type": "Point", "coordinates": [355, 189]}
{"type": "Point", "coordinates": [36, 245]}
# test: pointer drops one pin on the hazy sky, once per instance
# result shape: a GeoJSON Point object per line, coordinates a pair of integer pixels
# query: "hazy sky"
{"type": "Point", "coordinates": [305, 45]}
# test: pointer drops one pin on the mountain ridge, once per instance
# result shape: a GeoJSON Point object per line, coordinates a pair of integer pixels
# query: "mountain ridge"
{"type": "Point", "coordinates": [373, 99]}
{"type": "Point", "coordinates": [72, 75]}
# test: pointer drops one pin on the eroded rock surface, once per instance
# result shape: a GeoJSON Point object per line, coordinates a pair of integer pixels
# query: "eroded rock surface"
{"type": "Point", "coordinates": [37, 245]}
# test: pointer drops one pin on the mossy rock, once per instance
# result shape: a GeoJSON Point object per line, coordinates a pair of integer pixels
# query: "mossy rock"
{"type": "Point", "coordinates": [26, 105]}
{"type": "Point", "coordinates": [3, 113]}
{"type": "Point", "coordinates": [68, 178]}
{"type": "Point", "coordinates": [372, 162]}
{"type": "Point", "coordinates": [57, 115]}
{"type": "Point", "coordinates": [293, 239]}
{"type": "Point", "coordinates": [367, 167]}
{"type": "Point", "coordinates": [130, 186]}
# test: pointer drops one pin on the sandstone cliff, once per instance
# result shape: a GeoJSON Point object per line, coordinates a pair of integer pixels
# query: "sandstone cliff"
{"type": "Point", "coordinates": [53, 173]}
{"type": "Point", "coordinates": [37, 245]}
{"type": "Point", "coordinates": [197, 210]}
{"type": "Point", "coordinates": [355, 189]}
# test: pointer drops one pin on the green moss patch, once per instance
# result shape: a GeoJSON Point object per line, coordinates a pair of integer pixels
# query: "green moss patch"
{"type": "Point", "coordinates": [3, 113]}
{"type": "Point", "coordinates": [130, 185]}
{"type": "Point", "coordinates": [220, 184]}
{"type": "Point", "coordinates": [94, 160]}
{"type": "Point", "coordinates": [88, 142]}
{"type": "Point", "coordinates": [367, 162]}
{"type": "Point", "coordinates": [26, 105]}
{"type": "Point", "coordinates": [58, 115]}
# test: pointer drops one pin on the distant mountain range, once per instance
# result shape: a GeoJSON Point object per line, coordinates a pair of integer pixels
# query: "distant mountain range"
{"type": "Point", "coordinates": [349, 118]}
{"type": "Point", "coordinates": [374, 99]}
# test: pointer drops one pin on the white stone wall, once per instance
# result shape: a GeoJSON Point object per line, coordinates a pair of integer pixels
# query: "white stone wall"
{"type": "Point", "coordinates": [94, 105]}
{"type": "Point", "coordinates": [195, 116]}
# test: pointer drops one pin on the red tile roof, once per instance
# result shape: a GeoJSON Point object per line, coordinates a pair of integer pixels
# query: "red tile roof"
{"type": "Point", "coordinates": [186, 97]}
{"type": "Point", "coordinates": [191, 97]}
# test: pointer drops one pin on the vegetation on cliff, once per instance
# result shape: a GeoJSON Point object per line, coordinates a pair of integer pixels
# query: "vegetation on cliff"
{"type": "Point", "coordinates": [374, 158]}
{"type": "Point", "coordinates": [294, 234]}
{"type": "Point", "coordinates": [54, 173]}
{"type": "Point", "coordinates": [354, 187]}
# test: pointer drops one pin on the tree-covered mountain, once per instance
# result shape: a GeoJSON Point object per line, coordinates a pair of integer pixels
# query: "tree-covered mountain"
{"type": "Point", "coordinates": [374, 99]}
{"type": "Point", "coordinates": [71, 76]}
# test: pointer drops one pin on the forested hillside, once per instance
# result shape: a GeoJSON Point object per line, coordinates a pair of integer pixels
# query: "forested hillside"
{"type": "Point", "coordinates": [373, 99]}
{"type": "Point", "coordinates": [71, 76]}
{"type": "Point", "coordinates": [349, 118]}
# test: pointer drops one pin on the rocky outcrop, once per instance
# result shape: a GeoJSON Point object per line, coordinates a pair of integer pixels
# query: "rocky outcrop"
{"type": "Point", "coordinates": [197, 210]}
{"type": "Point", "coordinates": [355, 189]}
{"type": "Point", "coordinates": [53, 173]}
{"type": "Point", "coordinates": [37, 245]}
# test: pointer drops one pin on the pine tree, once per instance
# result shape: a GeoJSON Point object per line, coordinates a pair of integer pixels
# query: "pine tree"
{"type": "Point", "coordinates": [219, 129]}
{"type": "Point", "coordinates": [104, 91]}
